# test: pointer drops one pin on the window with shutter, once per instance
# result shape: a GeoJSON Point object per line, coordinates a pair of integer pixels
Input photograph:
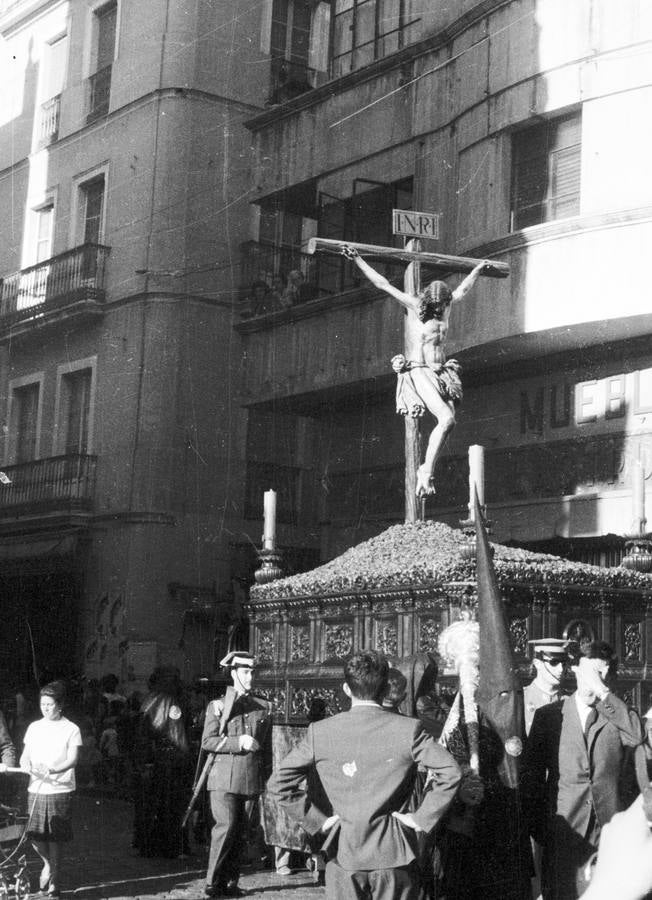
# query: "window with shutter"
{"type": "Point", "coordinates": [546, 172]}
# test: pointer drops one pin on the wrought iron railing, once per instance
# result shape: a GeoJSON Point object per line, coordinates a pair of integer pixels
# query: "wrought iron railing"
{"type": "Point", "coordinates": [51, 483]}
{"type": "Point", "coordinates": [99, 94]}
{"type": "Point", "coordinates": [74, 275]}
{"type": "Point", "coordinates": [49, 121]}
{"type": "Point", "coordinates": [267, 272]}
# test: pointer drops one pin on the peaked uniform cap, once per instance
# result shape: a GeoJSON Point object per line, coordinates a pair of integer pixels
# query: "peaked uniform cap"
{"type": "Point", "coordinates": [556, 647]}
{"type": "Point", "coordinates": [237, 658]}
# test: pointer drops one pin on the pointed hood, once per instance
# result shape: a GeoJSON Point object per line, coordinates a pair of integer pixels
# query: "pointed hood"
{"type": "Point", "coordinates": [499, 695]}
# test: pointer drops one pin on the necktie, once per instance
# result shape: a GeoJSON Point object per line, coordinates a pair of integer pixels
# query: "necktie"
{"type": "Point", "coordinates": [590, 719]}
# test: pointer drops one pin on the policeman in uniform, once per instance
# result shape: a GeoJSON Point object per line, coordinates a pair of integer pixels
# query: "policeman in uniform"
{"type": "Point", "coordinates": [550, 660]}
{"type": "Point", "coordinates": [237, 730]}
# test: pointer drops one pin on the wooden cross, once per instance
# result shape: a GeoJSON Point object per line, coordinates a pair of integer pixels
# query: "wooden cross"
{"type": "Point", "coordinates": [415, 257]}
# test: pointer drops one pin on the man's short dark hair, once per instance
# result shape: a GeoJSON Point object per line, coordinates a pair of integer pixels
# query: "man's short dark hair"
{"type": "Point", "coordinates": [366, 675]}
{"type": "Point", "coordinates": [396, 688]}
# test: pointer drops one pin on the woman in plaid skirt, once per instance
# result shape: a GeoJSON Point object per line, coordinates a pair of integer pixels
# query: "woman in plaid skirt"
{"type": "Point", "coordinates": [50, 755]}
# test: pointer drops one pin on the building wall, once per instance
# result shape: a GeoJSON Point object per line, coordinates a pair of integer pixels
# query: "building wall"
{"type": "Point", "coordinates": [445, 111]}
{"type": "Point", "coordinates": [154, 552]}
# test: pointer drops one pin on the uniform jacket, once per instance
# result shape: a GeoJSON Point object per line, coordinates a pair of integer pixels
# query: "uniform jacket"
{"type": "Point", "coordinates": [366, 760]}
{"type": "Point", "coordinates": [534, 698]}
{"type": "Point", "coordinates": [234, 770]}
{"type": "Point", "coordinates": [7, 749]}
{"type": "Point", "coordinates": [568, 777]}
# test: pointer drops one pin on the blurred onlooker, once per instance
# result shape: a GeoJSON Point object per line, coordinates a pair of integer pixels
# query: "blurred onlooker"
{"type": "Point", "coordinates": [7, 755]}
{"type": "Point", "coordinates": [276, 292]}
{"type": "Point", "coordinates": [163, 770]}
{"type": "Point", "coordinates": [297, 290]}
{"type": "Point", "coordinates": [396, 691]}
{"type": "Point", "coordinates": [260, 300]}
{"type": "Point", "coordinates": [89, 763]}
{"type": "Point", "coordinates": [110, 751]}
{"type": "Point", "coordinates": [317, 710]}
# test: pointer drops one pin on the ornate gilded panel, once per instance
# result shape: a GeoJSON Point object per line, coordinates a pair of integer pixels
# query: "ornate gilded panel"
{"type": "Point", "coordinates": [519, 634]}
{"type": "Point", "coordinates": [265, 644]}
{"type": "Point", "coordinates": [301, 698]}
{"type": "Point", "coordinates": [276, 697]}
{"type": "Point", "coordinates": [429, 630]}
{"type": "Point", "coordinates": [299, 642]}
{"type": "Point", "coordinates": [632, 640]}
{"type": "Point", "coordinates": [387, 636]}
{"type": "Point", "coordinates": [338, 640]}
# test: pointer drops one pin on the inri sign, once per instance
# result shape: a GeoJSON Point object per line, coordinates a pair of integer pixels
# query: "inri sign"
{"type": "Point", "coordinates": [415, 224]}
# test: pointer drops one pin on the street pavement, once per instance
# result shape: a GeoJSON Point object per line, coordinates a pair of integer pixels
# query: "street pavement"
{"type": "Point", "coordinates": [101, 863]}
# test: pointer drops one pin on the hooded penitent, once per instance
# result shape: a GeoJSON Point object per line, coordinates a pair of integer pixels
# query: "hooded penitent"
{"type": "Point", "coordinates": [499, 695]}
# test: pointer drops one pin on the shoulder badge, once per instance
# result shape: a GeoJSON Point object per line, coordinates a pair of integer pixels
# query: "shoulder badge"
{"type": "Point", "coordinates": [218, 707]}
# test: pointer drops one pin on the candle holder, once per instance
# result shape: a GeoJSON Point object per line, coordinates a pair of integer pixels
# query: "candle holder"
{"type": "Point", "coordinates": [468, 548]}
{"type": "Point", "coordinates": [270, 566]}
{"type": "Point", "coordinates": [638, 553]}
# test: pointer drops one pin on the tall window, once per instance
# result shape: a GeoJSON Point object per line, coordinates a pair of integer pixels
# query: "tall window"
{"type": "Point", "coordinates": [546, 171]}
{"type": "Point", "coordinates": [56, 58]}
{"type": "Point", "coordinates": [365, 30]}
{"type": "Point", "coordinates": [292, 47]}
{"type": "Point", "coordinates": [105, 22]}
{"type": "Point", "coordinates": [44, 221]}
{"type": "Point", "coordinates": [75, 410]}
{"type": "Point", "coordinates": [107, 18]}
{"type": "Point", "coordinates": [25, 417]}
{"type": "Point", "coordinates": [92, 210]}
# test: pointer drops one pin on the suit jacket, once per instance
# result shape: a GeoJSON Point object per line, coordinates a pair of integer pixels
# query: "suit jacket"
{"type": "Point", "coordinates": [7, 749]}
{"type": "Point", "coordinates": [366, 760]}
{"type": "Point", "coordinates": [234, 770]}
{"type": "Point", "coordinates": [568, 777]}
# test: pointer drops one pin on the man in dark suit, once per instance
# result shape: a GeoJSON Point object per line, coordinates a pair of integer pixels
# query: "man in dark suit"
{"type": "Point", "coordinates": [579, 771]}
{"type": "Point", "coordinates": [366, 760]}
{"type": "Point", "coordinates": [236, 730]}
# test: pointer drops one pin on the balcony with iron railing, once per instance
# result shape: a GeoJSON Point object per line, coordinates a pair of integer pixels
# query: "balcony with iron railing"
{"type": "Point", "coordinates": [68, 284]}
{"type": "Point", "coordinates": [48, 131]}
{"type": "Point", "coordinates": [99, 94]}
{"type": "Point", "coordinates": [281, 276]}
{"type": "Point", "coordinates": [57, 484]}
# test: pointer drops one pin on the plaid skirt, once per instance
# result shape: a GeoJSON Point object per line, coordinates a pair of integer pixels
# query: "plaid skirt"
{"type": "Point", "coordinates": [50, 817]}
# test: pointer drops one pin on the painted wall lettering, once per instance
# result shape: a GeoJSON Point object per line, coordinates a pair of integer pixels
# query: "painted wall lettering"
{"type": "Point", "coordinates": [586, 402]}
{"type": "Point", "coordinates": [565, 405]}
{"type": "Point", "coordinates": [560, 405]}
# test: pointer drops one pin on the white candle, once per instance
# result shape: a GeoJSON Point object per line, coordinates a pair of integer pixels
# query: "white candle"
{"type": "Point", "coordinates": [476, 477]}
{"type": "Point", "coordinates": [269, 524]}
{"type": "Point", "coordinates": [638, 497]}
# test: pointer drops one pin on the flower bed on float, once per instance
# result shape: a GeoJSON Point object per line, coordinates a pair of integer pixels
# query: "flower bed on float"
{"type": "Point", "coordinates": [431, 553]}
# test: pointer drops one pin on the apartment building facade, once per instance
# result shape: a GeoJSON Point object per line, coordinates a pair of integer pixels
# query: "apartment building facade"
{"type": "Point", "coordinates": [523, 125]}
{"type": "Point", "coordinates": [163, 165]}
{"type": "Point", "coordinates": [124, 180]}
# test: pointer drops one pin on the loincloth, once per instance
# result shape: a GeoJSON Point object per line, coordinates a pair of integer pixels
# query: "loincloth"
{"type": "Point", "coordinates": [446, 381]}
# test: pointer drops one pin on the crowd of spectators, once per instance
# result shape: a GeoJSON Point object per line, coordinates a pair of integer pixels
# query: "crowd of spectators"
{"type": "Point", "coordinates": [109, 718]}
{"type": "Point", "coordinates": [279, 292]}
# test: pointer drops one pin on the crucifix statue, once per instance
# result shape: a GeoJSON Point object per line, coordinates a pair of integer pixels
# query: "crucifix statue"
{"type": "Point", "coordinates": [426, 379]}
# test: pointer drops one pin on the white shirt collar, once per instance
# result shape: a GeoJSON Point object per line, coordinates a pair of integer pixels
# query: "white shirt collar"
{"type": "Point", "coordinates": [583, 709]}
